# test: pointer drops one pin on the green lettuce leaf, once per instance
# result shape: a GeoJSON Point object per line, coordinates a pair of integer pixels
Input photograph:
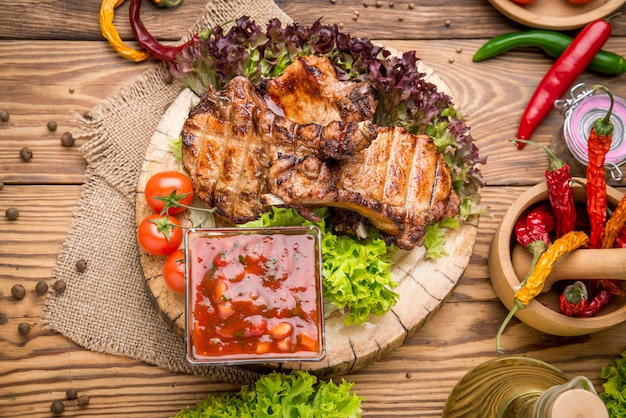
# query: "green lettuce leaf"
{"type": "Point", "coordinates": [356, 274]}
{"type": "Point", "coordinates": [614, 393]}
{"type": "Point", "coordinates": [278, 395]}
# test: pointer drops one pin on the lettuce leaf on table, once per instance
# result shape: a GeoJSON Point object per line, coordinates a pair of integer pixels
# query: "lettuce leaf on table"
{"type": "Point", "coordinates": [278, 395]}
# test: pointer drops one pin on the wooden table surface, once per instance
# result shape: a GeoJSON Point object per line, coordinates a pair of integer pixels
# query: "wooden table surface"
{"type": "Point", "coordinates": [55, 65]}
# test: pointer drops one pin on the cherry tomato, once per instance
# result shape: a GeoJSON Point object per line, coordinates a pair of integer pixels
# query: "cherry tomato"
{"type": "Point", "coordinates": [162, 185]}
{"type": "Point", "coordinates": [159, 235]}
{"type": "Point", "coordinates": [174, 271]}
{"type": "Point", "coordinates": [523, 1]}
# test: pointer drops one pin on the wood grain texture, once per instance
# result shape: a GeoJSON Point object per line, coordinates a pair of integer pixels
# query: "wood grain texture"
{"type": "Point", "coordinates": [49, 47]}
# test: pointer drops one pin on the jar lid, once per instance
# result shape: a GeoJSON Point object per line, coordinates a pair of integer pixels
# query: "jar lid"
{"type": "Point", "coordinates": [581, 119]}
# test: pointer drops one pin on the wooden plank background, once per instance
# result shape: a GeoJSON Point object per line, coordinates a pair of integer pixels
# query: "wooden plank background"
{"type": "Point", "coordinates": [55, 66]}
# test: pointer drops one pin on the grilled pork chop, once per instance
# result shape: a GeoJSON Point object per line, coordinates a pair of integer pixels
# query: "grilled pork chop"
{"type": "Point", "coordinates": [231, 138]}
{"type": "Point", "coordinates": [308, 91]}
{"type": "Point", "coordinates": [400, 183]}
{"type": "Point", "coordinates": [238, 150]}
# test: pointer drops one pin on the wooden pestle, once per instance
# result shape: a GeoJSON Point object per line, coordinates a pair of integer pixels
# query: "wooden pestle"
{"type": "Point", "coordinates": [583, 264]}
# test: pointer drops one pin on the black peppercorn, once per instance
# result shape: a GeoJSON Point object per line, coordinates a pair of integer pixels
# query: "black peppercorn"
{"type": "Point", "coordinates": [57, 407]}
{"type": "Point", "coordinates": [59, 286]}
{"type": "Point", "coordinates": [67, 140]}
{"type": "Point", "coordinates": [4, 116]}
{"type": "Point", "coordinates": [81, 265]}
{"type": "Point", "coordinates": [18, 291]}
{"type": "Point", "coordinates": [71, 394]}
{"type": "Point", "coordinates": [168, 78]}
{"type": "Point", "coordinates": [83, 400]}
{"type": "Point", "coordinates": [52, 126]}
{"type": "Point", "coordinates": [23, 328]}
{"type": "Point", "coordinates": [12, 214]}
{"type": "Point", "coordinates": [26, 154]}
{"type": "Point", "coordinates": [41, 288]}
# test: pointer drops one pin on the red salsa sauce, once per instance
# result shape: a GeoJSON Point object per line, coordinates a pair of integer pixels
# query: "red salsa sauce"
{"type": "Point", "coordinates": [255, 294]}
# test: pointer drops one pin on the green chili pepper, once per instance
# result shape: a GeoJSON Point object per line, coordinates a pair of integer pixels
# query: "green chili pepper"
{"type": "Point", "coordinates": [553, 44]}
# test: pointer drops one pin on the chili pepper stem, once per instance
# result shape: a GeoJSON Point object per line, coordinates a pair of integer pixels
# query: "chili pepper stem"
{"type": "Point", "coordinates": [536, 248]}
{"type": "Point", "coordinates": [516, 307]}
{"type": "Point", "coordinates": [554, 162]}
{"type": "Point", "coordinates": [604, 126]}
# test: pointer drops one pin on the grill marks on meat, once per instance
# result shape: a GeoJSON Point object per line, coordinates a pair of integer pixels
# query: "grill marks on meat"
{"type": "Point", "coordinates": [400, 183]}
{"type": "Point", "coordinates": [240, 148]}
{"type": "Point", "coordinates": [309, 91]}
{"type": "Point", "coordinates": [231, 138]}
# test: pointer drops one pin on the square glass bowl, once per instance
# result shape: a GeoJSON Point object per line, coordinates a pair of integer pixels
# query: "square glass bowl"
{"type": "Point", "coordinates": [254, 295]}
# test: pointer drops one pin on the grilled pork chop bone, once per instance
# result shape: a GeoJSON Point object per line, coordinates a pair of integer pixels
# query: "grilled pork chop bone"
{"type": "Point", "coordinates": [237, 150]}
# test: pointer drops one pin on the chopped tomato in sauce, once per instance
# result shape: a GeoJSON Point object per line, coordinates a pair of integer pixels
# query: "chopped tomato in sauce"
{"type": "Point", "coordinates": [255, 294]}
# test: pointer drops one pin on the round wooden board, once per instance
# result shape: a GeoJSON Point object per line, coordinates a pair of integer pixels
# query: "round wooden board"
{"type": "Point", "coordinates": [423, 284]}
{"type": "Point", "coordinates": [556, 14]}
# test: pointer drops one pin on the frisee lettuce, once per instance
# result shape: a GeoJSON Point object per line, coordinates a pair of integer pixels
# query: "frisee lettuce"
{"type": "Point", "coordinates": [614, 394]}
{"type": "Point", "coordinates": [279, 395]}
{"type": "Point", "coordinates": [356, 274]}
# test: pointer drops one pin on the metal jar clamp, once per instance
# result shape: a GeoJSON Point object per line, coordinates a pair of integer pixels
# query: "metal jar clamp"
{"type": "Point", "coordinates": [580, 111]}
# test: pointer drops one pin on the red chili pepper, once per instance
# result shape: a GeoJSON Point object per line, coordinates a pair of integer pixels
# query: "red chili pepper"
{"type": "Point", "coordinates": [149, 42]}
{"type": "Point", "coordinates": [562, 75]}
{"type": "Point", "coordinates": [573, 300]}
{"type": "Point", "coordinates": [620, 241]}
{"type": "Point", "coordinates": [598, 144]}
{"type": "Point", "coordinates": [599, 300]}
{"type": "Point", "coordinates": [532, 232]}
{"type": "Point", "coordinates": [560, 192]}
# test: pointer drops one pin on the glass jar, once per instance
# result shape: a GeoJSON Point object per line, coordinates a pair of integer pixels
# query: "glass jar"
{"type": "Point", "coordinates": [521, 387]}
{"type": "Point", "coordinates": [580, 111]}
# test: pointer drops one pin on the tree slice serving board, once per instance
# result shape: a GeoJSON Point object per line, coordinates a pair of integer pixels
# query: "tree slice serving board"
{"type": "Point", "coordinates": [423, 284]}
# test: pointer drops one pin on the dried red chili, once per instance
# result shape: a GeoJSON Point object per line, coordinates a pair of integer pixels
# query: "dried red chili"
{"type": "Point", "coordinates": [598, 144]}
{"type": "Point", "coordinates": [573, 300]}
{"type": "Point", "coordinates": [620, 241]}
{"type": "Point", "coordinates": [599, 300]}
{"type": "Point", "coordinates": [160, 51]}
{"type": "Point", "coordinates": [615, 224]}
{"type": "Point", "coordinates": [531, 231]}
{"type": "Point", "coordinates": [562, 75]}
{"type": "Point", "coordinates": [560, 192]}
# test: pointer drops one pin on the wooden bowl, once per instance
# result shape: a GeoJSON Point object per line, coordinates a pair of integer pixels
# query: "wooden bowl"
{"type": "Point", "coordinates": [543, 312]}
{"type": "Point", "coordinates": [556, 14]}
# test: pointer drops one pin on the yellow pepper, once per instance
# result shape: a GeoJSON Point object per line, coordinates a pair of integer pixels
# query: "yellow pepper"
{"type": "Point", "coordinates": [107, 12]}
{"type": "Point", "coordinates": [611, 230]}
{"type": "Point", "coordinates": [615, 224]}
{"type": "Point", "coordinates": [543, 268]}
{"type": "Point", "coordinates": [537, 278]}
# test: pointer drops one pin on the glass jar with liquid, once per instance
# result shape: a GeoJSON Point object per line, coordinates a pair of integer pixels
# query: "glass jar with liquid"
{"type": "Point", "coordinates": [521, 387]}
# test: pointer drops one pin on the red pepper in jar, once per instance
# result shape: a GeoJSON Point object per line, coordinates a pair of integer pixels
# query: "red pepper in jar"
{"type": "Point", "coordinates": [531, 232]}
{"type": "Point", "coordinates": [573, 300]}
{"type": "Point", "coordinates": [562, 75]}
{"type": "Point", "coordinates": [149, 42]}
{"type": "Point", "coordinates": [560, 192]}
{"type": "Point", "coordinates": [598, 144]}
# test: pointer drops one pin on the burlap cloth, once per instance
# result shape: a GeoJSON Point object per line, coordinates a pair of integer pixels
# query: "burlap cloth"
{"type": "Point", "coordinates": [105, 308]}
